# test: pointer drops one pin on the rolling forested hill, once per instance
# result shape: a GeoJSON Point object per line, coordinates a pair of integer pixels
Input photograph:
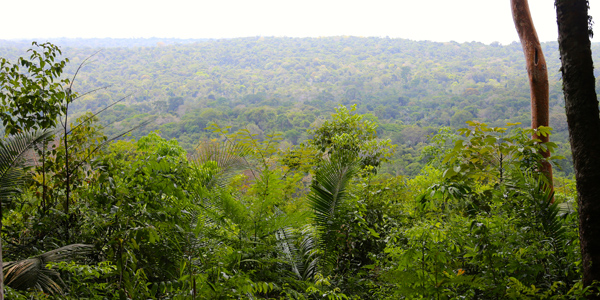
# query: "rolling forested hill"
{"type": "Point", "coordinates": [185, 209]}
{"type": "Point", "coordinates": [286, 84]}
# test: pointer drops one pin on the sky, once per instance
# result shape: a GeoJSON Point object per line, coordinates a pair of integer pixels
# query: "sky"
{"type": "Point", "coordinates": [484, 21]}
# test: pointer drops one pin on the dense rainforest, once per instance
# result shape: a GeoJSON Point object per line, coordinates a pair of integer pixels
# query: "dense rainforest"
{"type": "Point", "coordinates": [283, 168]}
{"type": "Point", "coordinates": [285, 85]}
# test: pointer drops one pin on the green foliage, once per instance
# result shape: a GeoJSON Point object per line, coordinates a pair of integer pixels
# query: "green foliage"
{"type": "Point", "coordinates": [328, 196]}
{"type": "Point", "coordinates": [347, 133]}
{"type": "Point", "coordinates": [12, 161]}
{"type": "Point", "coordinates": [489, 229]}
{"type": "Point", "coordinates": [459, 118]}
{"type": "Point", "coordinates": [33, 273]}
{"type": "Point", "coordinates": [489, 154]}
{"type": "Point", "coordinates": [33, 99]}
{"type": "Point", "coordinates": [85, 141]}
{"type": "Point", "coordinates": [248, 215]}
{"type": "Point", "coordinates": [300, 251]}
{"type": "Point", "coordinates": [12, 171]}
{"type": "Point", "coordinates": [411, 87]}
{"type": "Point", "coordinates": [86, 281]}
{"type": "Point", "coordinates": [141, 211]}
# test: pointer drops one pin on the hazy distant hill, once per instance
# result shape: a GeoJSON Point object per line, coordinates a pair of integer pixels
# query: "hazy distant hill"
{"type": "Point", "coordinates": [285, 84]}
{"type": "Point", "coordinates": [101, 42]}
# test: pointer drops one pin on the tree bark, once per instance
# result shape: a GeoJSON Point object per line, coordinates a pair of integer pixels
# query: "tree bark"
{"type": "Point", "coordinates": [581, 105]}
{"type": "Point", "coordinates": [537, 73]}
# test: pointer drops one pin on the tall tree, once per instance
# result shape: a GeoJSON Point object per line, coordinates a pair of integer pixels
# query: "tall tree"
{"type": "Point", "coordinates": [536, 71]}
{"type": "Point", "coordinates": [581, 105]}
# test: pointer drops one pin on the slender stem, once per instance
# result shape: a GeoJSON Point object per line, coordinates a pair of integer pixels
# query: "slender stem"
{"type": "Point", "coordinates": [44, 177]}
{"type": "Point", "coordinates": [501, 167]}
{"type": "Point", "coordinates": [1, 261]}
{"type": "Point", "coordinates": [67, 171]}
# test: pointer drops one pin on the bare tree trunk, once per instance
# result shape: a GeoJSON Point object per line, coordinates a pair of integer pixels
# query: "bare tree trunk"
{"type": "Point", "coordinates": [581, 104]}
{"type": "Point", "coordinates": [537, 73]}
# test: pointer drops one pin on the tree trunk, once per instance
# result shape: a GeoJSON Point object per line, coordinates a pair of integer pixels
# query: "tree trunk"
{"type": "Point", "coordinates": [1, 257]}
{"type": "Point", "coordinates": [537, 73]}
{"type": "Point", "coordinates": [581, 106]}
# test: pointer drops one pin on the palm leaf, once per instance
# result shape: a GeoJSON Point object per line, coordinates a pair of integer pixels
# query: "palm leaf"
{"type": "Point", "coordinates": [12, 160]}
{"type": "Point", "coordinates": [308, 263]}
{"type": "Point", "coordinates": [546, 212]}
{"type": "Point", "coordinates": [228, 156]}
{"type": "Point", "coordinates": [302, 258]}
{"type": "Point", "coordinates": [215, 163]}
{"type": "Point", "coordinates": [328, 193]}
{"type": "Point", "coordinates": [328, 190]}
{"type": "Point", "coordinates": [12, 173]}
{"type": "Point", "coordinates": [33, 273]}
{"type": "Point", "coordinates": [285, 240]}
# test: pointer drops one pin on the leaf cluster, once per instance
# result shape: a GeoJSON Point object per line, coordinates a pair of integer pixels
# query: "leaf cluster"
{"type": "Point", "coordinates": [35, 97]}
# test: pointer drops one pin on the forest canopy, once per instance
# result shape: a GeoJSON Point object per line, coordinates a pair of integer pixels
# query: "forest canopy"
{"type": "Point", "coordinates": [285, 85]}
{"type": "Point", "coordinates": [287, 168]}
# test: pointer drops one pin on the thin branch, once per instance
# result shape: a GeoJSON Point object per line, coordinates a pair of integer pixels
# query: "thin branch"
{"type": "Point", "coordinates": [92, 91]}
{"type": "Point", "coordinates": [81, 66]}
{"type": "Point", "coordinates": [98, 112]}
{"type": "Point", "coordinates": [110, 140]}
{"type": "Point", "coordinates": [62, 124]}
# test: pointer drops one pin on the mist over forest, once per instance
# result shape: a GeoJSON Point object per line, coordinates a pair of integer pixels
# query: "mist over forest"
{"type": "Point", "coordinates": [283, 85]}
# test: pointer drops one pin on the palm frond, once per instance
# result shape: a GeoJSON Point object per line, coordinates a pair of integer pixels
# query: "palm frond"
{"type": "Point", "coordinates": [302, 258]}
{"type": "Point", "coordinates": [228, 156]}
{"type": "Point", "coordinates": [12, 160]}
{"type": "Point", "coordinates": [33, 273]}
{"type": "Point", "coordinates": [545, 212]}
{"type": "Point", "coordinates": [549, 215]}
{"type": "Point", "coordinates": [329, 190]}
{"type": "Point", "coordinates": [308, 252]}
{"type": "Point", "coordinates": [285, 240]}
{"type": "Point", "coordinates": [328, 193]}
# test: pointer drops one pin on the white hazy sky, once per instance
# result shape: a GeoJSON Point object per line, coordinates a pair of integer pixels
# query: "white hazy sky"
{"type": "Point", "coordinates": [437, 20]}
